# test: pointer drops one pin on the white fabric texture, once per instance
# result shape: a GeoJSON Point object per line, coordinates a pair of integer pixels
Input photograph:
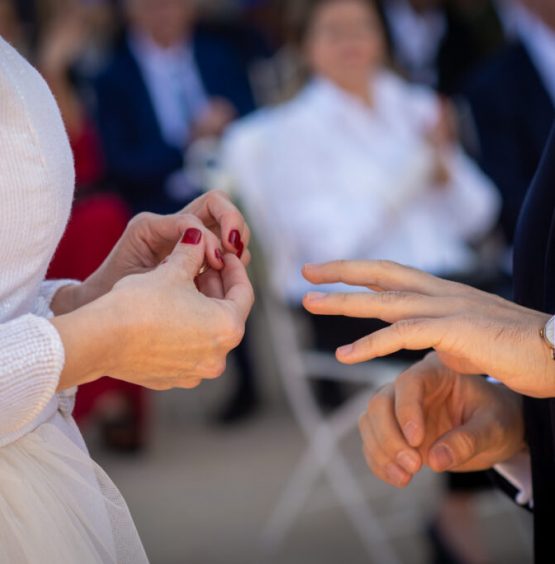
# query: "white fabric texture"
{"type": "Point", "coordinates": [325, 177]}
{"type": "Point", "coordinates": [518, 472]}
{"type": "Point", "coordinates": [56, 505]}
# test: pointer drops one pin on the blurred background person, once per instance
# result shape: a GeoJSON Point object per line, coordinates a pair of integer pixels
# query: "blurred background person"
{"type": "Point", "coordinates": [167, 93]}
{"type": "Point", "coordinates": [11, 26]}
{"type": "Point", "coordinates": [362, 164]}
{"type": "Point", "coordinates": [438, 42]}
{"type": "Point", "coordinates": [364, 155]}
{"type": "Point", "coordinates": [167, 85]}
{"type": "Point", "coordinates": [512, 98]}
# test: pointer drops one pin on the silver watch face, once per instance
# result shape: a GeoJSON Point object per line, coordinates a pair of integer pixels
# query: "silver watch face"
{"type": "Point", "coordinates": [550, 332]}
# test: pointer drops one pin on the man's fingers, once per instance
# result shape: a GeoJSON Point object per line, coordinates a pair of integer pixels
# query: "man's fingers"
{"type": "Point", "coordinates": [378, 462]}
{"type": "Point", "coordinates": [385, 275]}
{"type": "Point", "coordinates": [387, 306]}
{"type": "Point", "coordinates": [410, 334]}
{"type": "Point", "coordinates": [382, 422]}
{"type": "Point", "coordinates": [410, 390]}
{"type": "Point", "coordinates": [236, 286]}
{"type": "Point", "coordinates": [460, 445]}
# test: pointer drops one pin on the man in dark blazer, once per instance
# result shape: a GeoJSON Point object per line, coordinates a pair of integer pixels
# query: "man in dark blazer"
{"type": "Point", "coordinates": [513, 106]}
{"type": "Point", "coordinates": [168, 84]}
{"type": "Point", "coordinates": [440, 412]}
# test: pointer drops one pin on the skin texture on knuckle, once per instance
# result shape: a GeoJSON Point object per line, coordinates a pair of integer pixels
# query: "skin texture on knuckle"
{"type": "Point", "coordinates": [235, 335]}
{"type": "Point", "coordinates": [140, 220]}
{"type": "Point", "coordinates": [341, 267]}
{"type": "Point", "coordinates": [381, 401]}
{"type": "Point", "coordinates": [392, 298]}
{"type": "Point", "coordinates": [405, 327]}
{"type": "Point", "coordinates": [229, 332]}
{"type": "Point", "coordinates": [463, 446]}
{"type": "Point", "coordinates": [407, 377]}
{"type": "Point", "coordinates": [217, 195]}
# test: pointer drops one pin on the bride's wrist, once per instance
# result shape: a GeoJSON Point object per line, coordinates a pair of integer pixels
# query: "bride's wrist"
{"type": "Point", "coordinates": [92, 338]}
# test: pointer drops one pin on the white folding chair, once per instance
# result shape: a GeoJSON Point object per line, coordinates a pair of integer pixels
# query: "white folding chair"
{"type": "Point", "coordinates": [323, 433]}
{"type": "Point", "coordinates": [297, 366]}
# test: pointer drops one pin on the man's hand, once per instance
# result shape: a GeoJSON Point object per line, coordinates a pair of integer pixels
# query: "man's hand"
{"type": "Point", "coordinates": [472, 331]}
{"type": "Point", "coordinates": [435, 417]}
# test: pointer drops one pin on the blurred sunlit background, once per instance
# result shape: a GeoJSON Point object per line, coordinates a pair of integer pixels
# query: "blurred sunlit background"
{"type": "Point", "coordinates": [399, 129]}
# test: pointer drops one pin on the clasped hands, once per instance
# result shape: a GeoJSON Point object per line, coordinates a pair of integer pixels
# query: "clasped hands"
{"type": "Point", "coordinates": [440, 412]}
{"type": "Point", "coordinates": [168, 304]}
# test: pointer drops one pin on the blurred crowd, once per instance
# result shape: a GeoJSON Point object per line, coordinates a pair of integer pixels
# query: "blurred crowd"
{"type": "Point", "coordinates": [400, 129]}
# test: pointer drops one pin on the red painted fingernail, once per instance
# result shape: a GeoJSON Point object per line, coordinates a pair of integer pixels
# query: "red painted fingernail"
{"type": "Point", "coordinates": [219, 255]}
{"type": "Point", "coordinates": [240, 250]}
{"type": "Point", "coordinates": [235, 240]}
{"type": "Point", "coordinates": [192, 236]}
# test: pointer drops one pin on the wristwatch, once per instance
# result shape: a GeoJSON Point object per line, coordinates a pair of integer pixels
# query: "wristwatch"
{"type": "Point", "coordinates": [548, 335]}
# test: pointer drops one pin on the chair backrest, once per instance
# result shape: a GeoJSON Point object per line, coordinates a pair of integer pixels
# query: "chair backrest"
{"type": "Point", "coordinates": [245, 154]}
{"type": "Point", "coordinates": [297, 361]}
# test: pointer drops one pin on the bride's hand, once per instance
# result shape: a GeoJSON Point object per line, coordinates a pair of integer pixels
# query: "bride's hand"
{"type": "Point", "coordinates": [150, 238]}
{"type": "Point", "coordinates": [472, 331]}
{"type": "Point", "coordinates": [165, 328]}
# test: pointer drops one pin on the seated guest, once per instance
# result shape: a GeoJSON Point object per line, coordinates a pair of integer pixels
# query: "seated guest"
{"type": "Point", "coordinates": [512, 99]}
{"type": "Point", "coordinates": [438, 42]}
{"type": "Point", "coordinates": [167, 85]}
{"type": "Point", "coordinates": [360, 164]}
{"type": "Point", "coordinates": [366, 158]}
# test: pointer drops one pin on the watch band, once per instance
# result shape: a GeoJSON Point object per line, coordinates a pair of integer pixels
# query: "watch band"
{"type": "Point", "coordinates": [547, 333]}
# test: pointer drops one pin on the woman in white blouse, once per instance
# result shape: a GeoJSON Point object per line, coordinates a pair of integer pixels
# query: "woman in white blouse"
{"type": "Point", "coordinates": [359, 164]}
{"type": "Point", "coordinates": [146, 316]}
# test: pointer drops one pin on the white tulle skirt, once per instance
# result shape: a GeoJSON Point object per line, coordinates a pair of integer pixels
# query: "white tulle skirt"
{"type": "Point", "coordinates": [57, 506]}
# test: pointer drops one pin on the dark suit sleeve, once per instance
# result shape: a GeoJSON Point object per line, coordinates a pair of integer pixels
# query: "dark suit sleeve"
{"type": "Point", "coordinates": [133, 158]}
{"type": "Point", "coordinates": [502, 156]}
{"type": "Point", "coordinates": [223, 72]}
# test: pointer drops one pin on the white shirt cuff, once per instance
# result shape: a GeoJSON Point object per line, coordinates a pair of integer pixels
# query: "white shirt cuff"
{"type": "Point", "coordinates": [517, 471]}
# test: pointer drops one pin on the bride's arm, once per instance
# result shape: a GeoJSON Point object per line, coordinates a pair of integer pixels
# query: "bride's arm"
{"type": "Point", "coordinates": [31, 360]}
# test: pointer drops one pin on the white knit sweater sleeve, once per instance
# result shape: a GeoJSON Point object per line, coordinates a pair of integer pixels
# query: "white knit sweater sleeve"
{"type": "Point", "coordinates": [31, 361]}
